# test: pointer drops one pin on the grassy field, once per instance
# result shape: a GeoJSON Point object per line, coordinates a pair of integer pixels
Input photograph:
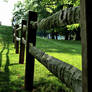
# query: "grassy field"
{"type": "Point", "coordinates": [12, 74]}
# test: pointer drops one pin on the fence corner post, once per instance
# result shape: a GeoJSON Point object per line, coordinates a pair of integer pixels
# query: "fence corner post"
{"type": "Point", "coordinates": [31, 38]}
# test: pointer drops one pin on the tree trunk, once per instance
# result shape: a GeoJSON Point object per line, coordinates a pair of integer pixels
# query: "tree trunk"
{"type": "Point", "coordinates": [56, 35]}
{"type": "Point", "coordinates": [70, 38]}
{"type": "Point", "coordinates": [52, 34]}
{"type": "Point", "coordinates": [66, 37]}
{"type": "Point", "coordinates": [78, 34]}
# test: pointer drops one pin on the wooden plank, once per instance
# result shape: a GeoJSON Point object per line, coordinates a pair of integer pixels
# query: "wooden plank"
{"type": "Point", "coordinates": [86, 27]}
{"type": "Point", "coordinates": [22, 46]}
{"type": "Point", "coordinates": [31, 38]}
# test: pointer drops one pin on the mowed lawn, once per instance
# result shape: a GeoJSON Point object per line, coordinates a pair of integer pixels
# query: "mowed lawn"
{"type": "Point", "coordinates": [12, 74]}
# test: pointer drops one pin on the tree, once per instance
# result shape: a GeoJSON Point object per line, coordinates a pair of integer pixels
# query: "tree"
{"type": "Point", "coordinates": [18, 12]}
{"type": "Point", "coordinates": [74, 30]}
{"type": "Point", "coordinates": [21, 9]}
{"type": "Point", "coordinates": [44, 8]}
{"type": "Point", "coordinates": [52, 6]}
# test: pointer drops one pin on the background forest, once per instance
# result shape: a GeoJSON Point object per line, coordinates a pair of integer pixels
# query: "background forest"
{"type": "Point", "coordinates": [45, 8]}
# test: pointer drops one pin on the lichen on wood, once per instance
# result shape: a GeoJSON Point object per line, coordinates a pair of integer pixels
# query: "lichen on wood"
{"type": "Point", "coordinates": [60, 18]}
{"type": "Point", "coordinates": [18, 29]}
{"type": "Point", "coordinates": [67, 73]}
{"type": "Point", "coordinates": [23, 41]}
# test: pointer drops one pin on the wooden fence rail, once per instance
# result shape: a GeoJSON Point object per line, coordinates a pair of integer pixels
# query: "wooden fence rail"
{"type": "Point", "coordinates": [22, 46]}
{"type": "Point", "coordinates": [60, 18]}
{"type": "Point", "coordinates": [16, 39]}
{"type": "Point", "coordinates": [67, 73]}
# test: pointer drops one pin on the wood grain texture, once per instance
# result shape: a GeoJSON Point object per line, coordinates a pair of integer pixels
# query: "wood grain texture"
{"type": "Point", "coordinates": [67, 73]}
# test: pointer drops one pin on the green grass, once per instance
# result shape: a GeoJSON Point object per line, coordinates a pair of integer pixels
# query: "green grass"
{"type": "Point", "coordinates": [67, 51]}
{"type": "Point", "coordinates": [12, 74]}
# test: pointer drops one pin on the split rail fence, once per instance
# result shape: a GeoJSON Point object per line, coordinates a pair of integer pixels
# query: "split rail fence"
{"type": "Point", "coordinates": [67, 73]}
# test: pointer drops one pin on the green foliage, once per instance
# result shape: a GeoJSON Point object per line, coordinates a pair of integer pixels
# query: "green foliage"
{"type": "Point", "coordinates": [48, 7]}
{"type": "Point", "coordinates": [73, 26]}
{"type": "Point", "coordinates": [19, 12]}
{"type": "Point", "coordinates": [30, 5]}
{"type": "Point", "coordinates": [77, 3]}
{"type": "Point", "coordinates": [74, 29]}
{"type": "Point", "coordinates": [44, 7]}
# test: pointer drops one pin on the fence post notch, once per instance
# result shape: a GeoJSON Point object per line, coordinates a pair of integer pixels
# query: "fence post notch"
{"type": "Point", "coordinates": [31, 38]}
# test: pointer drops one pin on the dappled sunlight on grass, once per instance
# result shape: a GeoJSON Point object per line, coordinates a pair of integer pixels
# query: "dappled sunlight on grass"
{"type": "Point", "coordinates": [72, 59]}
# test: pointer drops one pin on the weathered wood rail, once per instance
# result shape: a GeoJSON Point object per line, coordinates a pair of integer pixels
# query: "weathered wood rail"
{"type": "Point", "coordinates": [60, 18]}
{"type": "Point", "coordinates": [67, 73]}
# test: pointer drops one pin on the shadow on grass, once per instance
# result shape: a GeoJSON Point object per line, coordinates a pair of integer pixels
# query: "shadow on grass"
{"type": "Point", "coordinates": [61, 50]}
{"type": "Point", "coordinates": [5, 74]}
{"type": "Point", "coordinates": [44, 85]}
{"type": "Point", "coordinates": [13, 64]}
{"type": "Point", "coordinates": [48, 45]}
{"type": "Point", "coordinates": [6, 83]}
{"type": "Point", "coordinates": [1, 52]}
{"type": "Point", "coordinates": [6, 68]}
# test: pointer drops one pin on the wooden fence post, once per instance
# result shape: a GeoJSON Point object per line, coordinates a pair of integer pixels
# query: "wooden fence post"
{"type": "Point", "coordinates": [86, 27]}
{"type": "Point", "coordinates": [16, 42]}
{"type": "Point", "coordinates": [13, 34]}
{"type": "Point", "coordinates": [31, 38]}
{"type": "Point", "coordinates": [22, 46]}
